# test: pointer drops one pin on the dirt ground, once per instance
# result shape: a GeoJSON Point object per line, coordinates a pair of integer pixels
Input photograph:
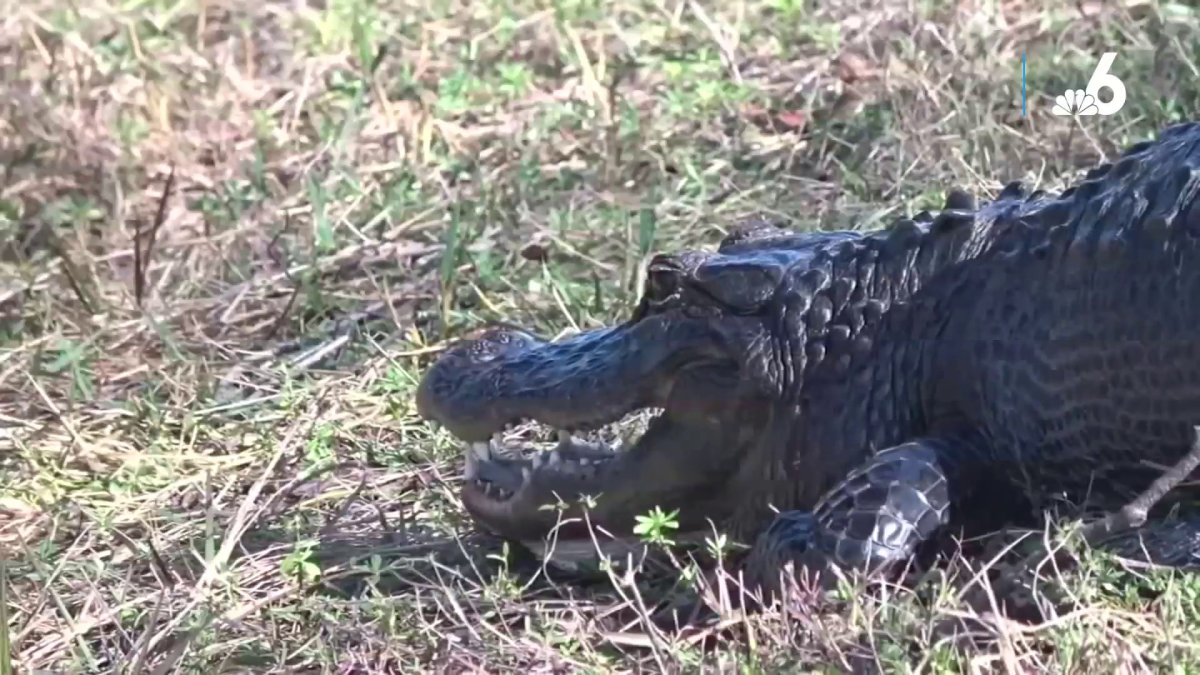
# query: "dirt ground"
{"type": "Point", "coordinates": [232, 236]}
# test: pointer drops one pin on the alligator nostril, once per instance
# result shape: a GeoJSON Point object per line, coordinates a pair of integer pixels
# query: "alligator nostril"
{"type": "Point", "coordinates": [491, 342]}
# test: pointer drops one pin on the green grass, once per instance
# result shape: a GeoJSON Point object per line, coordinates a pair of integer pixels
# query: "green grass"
{"type": "Point", "coordinates": [211, 458]}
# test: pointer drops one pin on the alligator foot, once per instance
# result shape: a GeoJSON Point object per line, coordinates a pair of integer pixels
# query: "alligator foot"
{"type": "Point", "coordinates": [869, 524]}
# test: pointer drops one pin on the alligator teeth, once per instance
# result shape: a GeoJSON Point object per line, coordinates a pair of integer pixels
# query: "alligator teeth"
{"type": "Point", "coordinates": [482, 449]}
{"type": "Point", "coordinates": [546, 459]}
{"type": "Point", "coordinates": [597, 448]}
{"type": "Point", "coordinates": [493, 491]}
{"type": "Point", "coordinates": [477, 451]}
{"type": "Point", "coordinates": [511, 425]}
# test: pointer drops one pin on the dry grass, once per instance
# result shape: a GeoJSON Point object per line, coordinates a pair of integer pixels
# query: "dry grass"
{"type": "Point", "coordinates": [232, 234]}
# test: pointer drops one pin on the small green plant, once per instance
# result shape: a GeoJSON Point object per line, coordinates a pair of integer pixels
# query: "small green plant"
{"type": "Point", "coordinates": [299, 565]}
{"type": "Point", "coordinates": [515, 79]}
{"type": "Point", "coordinates": [456, 92]}
{"type": "Point", "coordinates": [74, 359]}
{"type": "Point", "coordinates": [503, 585]}
{"type": "Point", "coordinates": [319, 447]}
{"type": "Point", "coordinates": [653, 526]}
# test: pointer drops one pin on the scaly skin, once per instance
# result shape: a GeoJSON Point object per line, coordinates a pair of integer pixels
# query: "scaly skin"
{"type": "Point", "coordinates": [878, 388]}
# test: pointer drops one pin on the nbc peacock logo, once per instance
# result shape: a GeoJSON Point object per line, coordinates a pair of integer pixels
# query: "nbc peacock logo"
{"type": "Point", "coordinates": [1075, 102]}
{"type": "Point", "coordinates": [1083, 102]}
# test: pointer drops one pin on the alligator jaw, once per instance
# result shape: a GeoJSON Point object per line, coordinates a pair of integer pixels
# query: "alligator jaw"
{"type": "Point", "coordinates": [680, 366]}
{"type": "Point", "coordinates": [582, 382]}
{"type": "Point", "coordinates": [572, 459]}
{"type": "Point", "coordinates": [501, 489]}
{"type": "Point", "coordinates": [678, 462]}
{"type": "Point", "coordinates": [482, 386]}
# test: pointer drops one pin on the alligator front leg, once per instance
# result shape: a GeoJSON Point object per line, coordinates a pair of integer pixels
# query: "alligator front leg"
{"type": "Point", "coordinates": [874, 519]}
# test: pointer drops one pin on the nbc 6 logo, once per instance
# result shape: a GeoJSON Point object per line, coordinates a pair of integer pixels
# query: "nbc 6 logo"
{"type": "Point", "coordinates": [1076, 102]}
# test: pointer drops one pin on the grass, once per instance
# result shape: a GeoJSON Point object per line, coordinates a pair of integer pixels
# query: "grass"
{"type": "Point", "coordinates": [233, 234]}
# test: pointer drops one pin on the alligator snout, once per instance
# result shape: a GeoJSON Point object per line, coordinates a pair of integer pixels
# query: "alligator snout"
{"type": "Point", "coordinates": [507, 376]}
{"type": "Point", "coordinates": [454, 391]}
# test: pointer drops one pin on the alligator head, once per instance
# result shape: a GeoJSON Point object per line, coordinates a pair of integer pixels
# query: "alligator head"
{"type": "Point", "coordinates": [701, 351]}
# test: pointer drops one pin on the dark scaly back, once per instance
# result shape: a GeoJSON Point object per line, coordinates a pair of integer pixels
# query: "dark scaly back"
{"type": "Point", "coordinates": [824, 321]}
{"type": "Point", "coordinates": [855, 320]}
{"type": "Point", "coordinates": [1091, 313]}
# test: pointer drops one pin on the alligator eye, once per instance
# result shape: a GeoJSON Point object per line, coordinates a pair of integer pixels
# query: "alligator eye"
{"type": "Point", "coordinates": [663, 279]}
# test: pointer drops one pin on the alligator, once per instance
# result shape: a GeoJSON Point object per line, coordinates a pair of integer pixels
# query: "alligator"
{"type": "Point", "coordinates": [848, 397]}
